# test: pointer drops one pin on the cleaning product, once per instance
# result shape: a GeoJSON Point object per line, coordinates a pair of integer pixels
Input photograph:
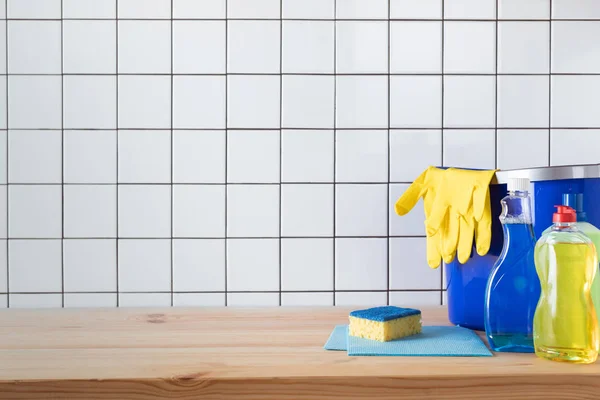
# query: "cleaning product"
{"type": "Point", "coordinates": [575, 201]}
{"type": "Point", "coordinates": [513, 288]}
{"type": "Point", "coordinates": [385, 323]}
{"type": "Point", "coordinates": [565, 326]}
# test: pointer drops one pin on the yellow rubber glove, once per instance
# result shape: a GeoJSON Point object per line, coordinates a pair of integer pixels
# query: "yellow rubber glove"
{"type": "Point", "coordinates": [425, 186]}
{"type": "Point", "coordinates": [462, 211]}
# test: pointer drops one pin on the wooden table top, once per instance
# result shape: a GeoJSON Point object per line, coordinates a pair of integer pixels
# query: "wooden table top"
{"type": "Point", "coordinates": [243, 353]}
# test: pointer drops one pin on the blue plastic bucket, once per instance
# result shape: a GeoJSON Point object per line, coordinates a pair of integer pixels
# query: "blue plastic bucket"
{"type": "Point", "coordinates": [465, 283]}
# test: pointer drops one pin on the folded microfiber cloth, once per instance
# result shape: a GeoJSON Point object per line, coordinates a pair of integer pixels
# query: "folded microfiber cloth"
{"type": "Point", "coordinates": [434, 341]}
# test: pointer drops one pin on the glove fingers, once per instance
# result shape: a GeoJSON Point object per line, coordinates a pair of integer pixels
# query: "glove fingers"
{"type": "Point", "coordinates": [434, 254]}
{"type": "Point", "coordinates": [483, 229]}
{"type": "Point", "coordinates": [450, 235]}
{"type": "Point", "coordinates": [409, 198]}
{"type": "Point", "coordinates": [465, 239]}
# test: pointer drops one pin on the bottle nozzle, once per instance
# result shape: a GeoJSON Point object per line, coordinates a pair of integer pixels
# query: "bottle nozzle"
{"type": "Point", "coordinates": [564, 214]}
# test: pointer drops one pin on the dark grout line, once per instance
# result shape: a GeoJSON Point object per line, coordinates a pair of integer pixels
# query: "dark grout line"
{"type": "Point", "coordinates": [117, 147]}
{"type": "Point", "coordinates": [389, 109]}
{"type": "Point", "coordinates": [443, 85]}
{"type": "Point", "coordinates": [333, 257]}
{"type": "Point", "coordinates": [276, 74]}
{"type": "Point", "coordinates": [382, 20]}
{"type": "Point", "coordinates": [226, 147]}
{"type": "Point", "coordinates": [496, 93]}
{"type": "Point", "coordinates": [172, 108]}
{"type": "Point", "coordinates": [62, 158]}
{"type": "Point", "coordinates": [7, 163]}
{"type": "Point", "coordinates": [280, 136]}
{"type": "Point", "coordinates": [550, 87]}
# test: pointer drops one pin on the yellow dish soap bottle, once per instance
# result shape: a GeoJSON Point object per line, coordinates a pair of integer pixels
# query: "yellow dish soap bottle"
{"type": "Point", "coordinates": [565, 326]}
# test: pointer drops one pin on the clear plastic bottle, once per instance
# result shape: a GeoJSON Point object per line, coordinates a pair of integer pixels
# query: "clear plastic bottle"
{"type": "Point", "coordinates": [565, 326]}
{"type": "Point", "coordinates": [575, 201]}
{"type": "Point", "coordinates": [513, 288]}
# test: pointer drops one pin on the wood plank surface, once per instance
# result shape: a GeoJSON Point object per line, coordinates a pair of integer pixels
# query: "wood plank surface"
{"type": "Point", "coordinates": [229, 353]}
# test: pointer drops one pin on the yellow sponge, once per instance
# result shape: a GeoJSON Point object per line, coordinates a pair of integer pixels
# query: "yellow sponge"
{"type": "Point", "coordinates": [385, 323]}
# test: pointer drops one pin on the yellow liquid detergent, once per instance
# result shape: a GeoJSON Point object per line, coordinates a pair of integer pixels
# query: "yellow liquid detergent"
{"type": "Point", "coordinates": [565, 326]}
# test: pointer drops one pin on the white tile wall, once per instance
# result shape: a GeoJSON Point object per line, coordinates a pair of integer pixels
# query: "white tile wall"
{"type": "Point", "coordinates": [249, 152]}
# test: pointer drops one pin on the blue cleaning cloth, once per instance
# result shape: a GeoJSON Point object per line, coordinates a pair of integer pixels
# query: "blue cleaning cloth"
{"type": "Point", "coordinates": [434, 341]}
{"type": "Point", "coordinates": [385, 313]}
{"type": "Point", "coordinates": [338, 340]}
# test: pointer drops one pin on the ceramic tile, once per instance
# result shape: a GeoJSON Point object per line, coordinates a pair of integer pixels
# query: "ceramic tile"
{"type": "Point", "coordinates": [144, 47]}
{"type": "Point", "coordinates": [90, 102]}
{"type": "Point", "coordinates": [199, 8]}
{"type": "Point", "coordinates": [470, 9]}
{"type": "Point", "coordinates": [198, 299]}
{"type": "Point", "coordinates": [254, 9]}
{"type": "Point", "coordinates": [416, 101]}
{"type": "Point", "coordinates": [518, 9]}
{"type": "Point", "coordinates": [35, 265]}
{"type": "Point", "coordinates": [306, 210]}
{"type": "Point", "coordinates": [155, 9]}
{"type": "Point", "coordinates": [574, 101]}
{"type": "Point", "coordinates": [89, 46]}
{"type": "Point", "coordinates": [516, 55]}
{"type": "Point", "coordinates": [90, 300]}
{"type": "Point", "coordinates": [3, 223]}
{"type": "Point", "coordinates": [253, 102]}
{"type": "Point", "coordinates": [361, 47]}
{"type": "Point", "coordinates": [90, 156]}
{"type": "Point", "coordinates": [253, 156]}
{"type": "Point", "coordinates": [34, 47]}
{"type": "Point", "coordinates": [310, 9]}
{"type": "Point", "coordinates": [147, 258]}
{"type": "Point", "coordinates": [252, 264]}
{"type": "Point", "coordinates": [415, 47]}
{"type": "Point", "coordinates": [361, 102]}
{"type": "Point", "coordinates": [144, 101]}
{"type": "Point", "coordinates": [314, 299]}
{"type": "Point", "coordinates": [199, 102]}
{"type": "Point", "coordinates": [199, 156]}
{"type": "Point", "coordinates": [50, 300]}
{"type": "Point", "coordinates": [308, 46]}
{"type": "Point", "coordinates": [198, 265]}
{"type": "Point", "coordinates": [4, 156]}
{"type": "Point", "coordinates": [523, 101]}
{"type": "Point", "coordinates": [308, 101]}
{"type": "Point", "coordinates": [415, 299]}
{"type": "Point", "coordinates": [34, 156]}
{"type": "Point", "coordinates": [360, 264]}
{"type": "Point", "coordinates": [3, 266]}
{"type": "Point", "coordinates": [411, 224]}
{"type": "Point", "coordinates": [34, 9]}
{"type": "Point", "coordinates": [3, 301]}
{"type": "Point", "coordinates": [408, 265]}
{"type": "Point", "coordinates": [469, 101]}
{"type": "Point", "coordinates": [422, 9]}
{"type": "Point", "coordinates": [198, 210]}
{"type": "Point", "coordinates": [360, 210]}
{"type": "Point", "coordinates": [144, 300]}
{"type": "Point", "coordinates": [199, 46]}
{"type": "Point", "coordinates": [35, 102]}
{"type": "Point", "coordinates": [362, 156]}
{"type": "Point", "coordinates": [469, 148]}
{"type": "Point", "coordinates": [90, 210]}
{"type": "Point", "coordinates": [307, 264]}
{"type": "Point", "coordinates": [470, 47]}
{"type": "Point", "coordinates": [523, 148]}
{"type": "Point", "coordinates": [89, 9]}
{"type": "Point", "coordinates": [574, 47]}
{"type": "Point", "coordinates": [35, 211]}
{"type": "Point", "coordinates": [575, 9]}
{"type": "Point", "coordinates": [252, 299]}
{"type": "Point", "coordinates": [90, 265]}
{"type": "Point", "coordinates": [582, 145]}
{"type": "Point", "coordinates": [411, 152]}
{"type": "Point", "coordinates": [253, 46]}
{"type": "Point", "coordinates": [144, 156]}
{"type": "Point", "coordinates": [360, 299]}
{"type": "Point", "coordinates": [136, 203]}
{"type": "Point", "coordinates": [252, 210]}
{"type": "Point", "coordinates": [362, 9]}
{"type": "Point", "coordinates": [307, 156]}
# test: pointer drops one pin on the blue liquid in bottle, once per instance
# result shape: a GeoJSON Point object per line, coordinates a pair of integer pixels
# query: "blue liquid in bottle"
{"type": "Point", "coordinates": [513, 288]}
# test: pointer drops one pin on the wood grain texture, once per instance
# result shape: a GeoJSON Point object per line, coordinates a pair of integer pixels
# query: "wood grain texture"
{"type": "Point", "coordinates": [224, 353]}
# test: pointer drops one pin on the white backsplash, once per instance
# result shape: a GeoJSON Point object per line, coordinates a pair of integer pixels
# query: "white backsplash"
{"type": "Point", "coordinates": [249, 152]}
